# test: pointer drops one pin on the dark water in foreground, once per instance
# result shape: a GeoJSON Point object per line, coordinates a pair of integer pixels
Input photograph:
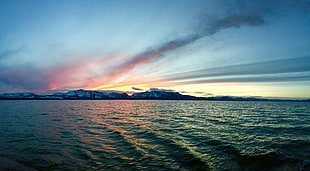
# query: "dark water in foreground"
{"type": "Point", "coordinates": [155, 135]}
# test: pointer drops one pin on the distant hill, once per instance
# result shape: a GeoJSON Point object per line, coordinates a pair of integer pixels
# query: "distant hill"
{"type": "Point", "coordinates": [107, 95]}
{"type": "Point", "coordinates": [88, 94]}
{"type": "Point", "coordinates": [72, 95]}
{"type": "Point", "coordinates": [162, 95]}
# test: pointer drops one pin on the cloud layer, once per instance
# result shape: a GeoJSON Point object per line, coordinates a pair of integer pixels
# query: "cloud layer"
{"type": "Point", "coordinates": [91, 71]}
{"type": "Point", "coordinates": [292, 65]}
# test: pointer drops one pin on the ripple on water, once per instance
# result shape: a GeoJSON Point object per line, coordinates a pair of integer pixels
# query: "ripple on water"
{"type": "Point", "coordinates": [158, 135]}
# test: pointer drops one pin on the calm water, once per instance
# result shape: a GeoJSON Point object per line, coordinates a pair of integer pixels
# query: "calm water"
{"type": "Point", "coordinates": [155, 135]}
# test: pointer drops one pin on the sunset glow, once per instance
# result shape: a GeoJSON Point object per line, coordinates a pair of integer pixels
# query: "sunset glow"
{"type": "Point", "coordinates": [201, 48]}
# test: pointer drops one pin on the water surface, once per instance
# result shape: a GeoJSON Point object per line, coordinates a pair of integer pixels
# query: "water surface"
{"type": "Point", "coordinates": [155, 135]}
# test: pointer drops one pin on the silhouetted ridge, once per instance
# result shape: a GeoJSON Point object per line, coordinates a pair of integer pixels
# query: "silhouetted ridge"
{"type": "Point", "coordinates": [156, 94]}
{"type": "Point", "coordinates": [161, 95]}
{"type": "Point", "coordinates": [89, 94]}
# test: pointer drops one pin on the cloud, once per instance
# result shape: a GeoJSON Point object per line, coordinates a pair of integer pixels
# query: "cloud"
{"type": "Point", "coordinates": [237, 13]}
{"type": "Point", "coordinates": [200, 93]}
{"type": "Point", "coordinates": [25, 78]}
{"type": "Point", "coordinates": [203, 93]}
{"type": "Point", "coordinates": [9, 53]}
{"type": "Point", "coordinates": [66, 75]}
{"type": "Point", "coordinates": [264, 78]}
{"type": "Point", "coordinates": [139, 89]}
{"type": "Point", "coordinates": [80, 73]}
{"type": "Point", "coordinates": [209, 27]}
{"type": "Point", "coordinates": [281, 66]}
{"type": "Point", "coordinates": [86, 73]}
{"type": "Point", "coordinates": [161, 90]}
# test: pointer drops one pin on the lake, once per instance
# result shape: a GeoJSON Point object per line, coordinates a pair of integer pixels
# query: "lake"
{"type": "Point", "coordinates": [155, 135]}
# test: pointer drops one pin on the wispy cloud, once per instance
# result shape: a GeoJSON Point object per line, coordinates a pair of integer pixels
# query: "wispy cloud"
{"type": "Point", "coordinates": [24, 78]}
{"type": "Point", "coordinates": [199, 93]}
{"type": "Point", "coordinates": [8, 53]}
{"type": "Point", "coordinates": [135, 88]}
{"type": "Point", "coordinates": [69, 75]}
{"type": "Point", "coordinates": [281, 66]}
{"type": "Point", "coordinates": [262, 78]}
{"type": "Point", "coordinates": [206, 28]}
{"type": "Point", "coordinates": [161, 89]}
{"type": "Point", "coordinates": [237, 13]}
{"type": "Point", "coordinates": [91, 72]}
{"type": "Point", "coordinates": [81, 73]}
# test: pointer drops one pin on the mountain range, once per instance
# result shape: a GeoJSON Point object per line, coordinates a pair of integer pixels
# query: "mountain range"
{"type": "Point", "coordinates": [110, 95]}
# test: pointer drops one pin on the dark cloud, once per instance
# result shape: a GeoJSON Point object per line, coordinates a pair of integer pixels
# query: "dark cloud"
{"type": "Point", "coordinates": [135, 88]}
{"type": "Point", "coordinates": [263, 8]}
{"type": "Point", "coordinates": [24, 78]}
{"type": "Point", "coordinates": [162, 90]}
{"type": "Point", "coordinates": [208, 94]}
{"type": "Point", "coordinates": [21, 77]}
{"type": "Point", "coordinates": [201, 93]}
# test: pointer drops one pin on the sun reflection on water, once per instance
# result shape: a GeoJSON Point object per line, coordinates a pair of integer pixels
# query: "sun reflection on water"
{"type": "Point", "coordinates": [161, 135]}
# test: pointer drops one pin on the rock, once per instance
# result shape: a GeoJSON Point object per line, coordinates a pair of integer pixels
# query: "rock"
{"type": "Point", "coordinates": [305, 165]}
{"type": "Point", "coordinates": [8, 164]}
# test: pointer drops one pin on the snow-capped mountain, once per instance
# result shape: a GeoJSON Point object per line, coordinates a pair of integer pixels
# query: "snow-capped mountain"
{"type": "Point", "coordinates": [114, 95]}
{"type": "Point", "coordinates": [88, 94]}
{"type": "Point", "coordinates": [162, 95]}
{"type": "Point", "coordinates": [101, 95]}
{"type": "Point", "coordinates": [19, 95]}
{"type": "Point", "coordinates": [75, 94]}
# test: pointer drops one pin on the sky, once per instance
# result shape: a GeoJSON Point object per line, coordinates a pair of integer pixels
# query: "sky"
{"type": "Point", "coordinates": [196, 47]}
